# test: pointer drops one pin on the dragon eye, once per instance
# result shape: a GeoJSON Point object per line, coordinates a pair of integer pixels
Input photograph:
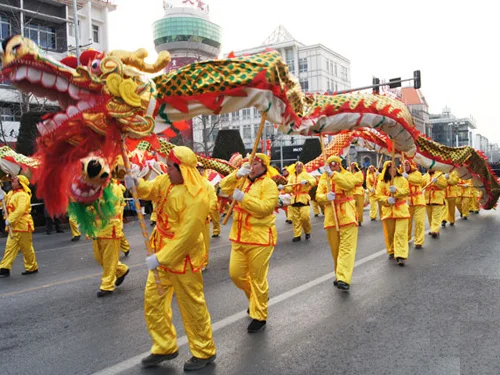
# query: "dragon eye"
{"type": "Point", "coordinates": [96, 66]}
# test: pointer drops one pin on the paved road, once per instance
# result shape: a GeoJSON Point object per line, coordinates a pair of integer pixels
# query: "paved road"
{"type": "Point", "coordinates": [438, 315]}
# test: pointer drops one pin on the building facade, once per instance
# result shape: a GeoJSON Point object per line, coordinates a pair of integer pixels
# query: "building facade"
{"type": "Point", "coordinates": [417, 105]}
{"type": "Point", "coordinates": [50, 23]}
{"type": "Point", "coordinates": [451, 131]}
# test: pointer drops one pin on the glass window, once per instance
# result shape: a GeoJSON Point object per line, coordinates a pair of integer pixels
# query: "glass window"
{"type": "Point", "coordinates": [303, 65]}
{"type": "Point", "coordinates": [95, 33]}
{"type": "Point", "coordinates": [291, 66]}
{"type": "Point", "coordinates": [6, 114]}
{"type": "Point", "coordinates": [343, 73]}
{"type": "Point", "coordinates": [304, 84]}
{"type": "Point", "coordinates": [247, 132]}
{"type": "Point", "coordinates": [44, 36]}
{"type": "Point", "coordinates": [246, 113]}
{"type": "Point", "coordinates": [4, 27]}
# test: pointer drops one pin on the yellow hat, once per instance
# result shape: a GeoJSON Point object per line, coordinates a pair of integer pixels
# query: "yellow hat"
{"type": "Point", "coordinates": [187, 161]}
{"type": "Point", "coordinates": [25, 183]}
{"type": "Point", "coordinates": [263, 158]}
{"type": "Point", "coordinates": [334, 159]}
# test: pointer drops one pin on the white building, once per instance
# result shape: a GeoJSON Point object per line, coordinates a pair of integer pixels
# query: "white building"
{"type": "Point", "coordinates": [317, 68]}
{"type": "Point", "coordinates": [50, 23]}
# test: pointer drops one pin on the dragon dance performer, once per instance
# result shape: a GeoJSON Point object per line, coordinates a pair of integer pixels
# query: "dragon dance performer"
{"type": "Point", "coordinates": [124, 244]}
{"type": "Point", "coordinates": [182, 205]}
{"type": "Point", "coordinates": [395, 213]}
{"type": "Point", "coordinates": [299, 211]}
{"type": "Point", "coordinates": [337, 187]}
{"type": "Point", "coordinates": [253, 234]}
{"type": "Point", "coordinates": [75, 231]}
{"type": "Point", "coordinates": [359, 192]}
{"type": "Point", "coordinates": [416, 203]}
{"type": "Point", "coordinates": [434, 199]}
{"type": "Point", "coordinates": [317, 208]}
{"type": "Point", "coordinates": [106, 245]}
{"type": "Point", "coordinates": [213, 207]}
{"type": "Point", "coordinates": [285, 173]}
{"type": "Point", "coordinates": [476, 198]}
{"type": "Point", "coordinates": [451, 197]}
{"type": "Point", "coordinates": [20, 225]}
{"type": "Point", "coordinates": [466, 197]}
{"type": "Point", "coordinates": [371, 185]}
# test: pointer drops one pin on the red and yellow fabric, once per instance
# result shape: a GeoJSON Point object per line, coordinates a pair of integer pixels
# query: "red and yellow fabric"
{"type": "Point", "coordinates": [343, 243]}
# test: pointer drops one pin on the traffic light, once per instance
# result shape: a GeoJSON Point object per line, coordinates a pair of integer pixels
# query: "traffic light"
{"type": "Point", "coordinates": [416, 79]}
{"type": "Point", "coordinates": [272, 137]}
{"type": "Point", "coordinates": [376, 81]}
{"type": "Point", "coordinates": [292, 140]}
{"type": "Point", "coordinates": [394, 83]}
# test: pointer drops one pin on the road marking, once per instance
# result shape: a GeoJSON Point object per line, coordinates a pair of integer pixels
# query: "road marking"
{"type": "Point", "coordinates": [134, 361]}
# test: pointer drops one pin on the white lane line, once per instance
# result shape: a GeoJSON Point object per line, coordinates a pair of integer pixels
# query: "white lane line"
{"type": "Point", "coordinates": [134, 361]}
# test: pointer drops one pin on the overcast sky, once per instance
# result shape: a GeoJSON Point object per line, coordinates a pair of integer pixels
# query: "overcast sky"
{"type": "Point", "coordinates": [455, 43]}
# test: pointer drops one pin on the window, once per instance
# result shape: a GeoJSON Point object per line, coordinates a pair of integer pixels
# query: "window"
{"type": "Point", "coordinates": [4, 27]}
{"type": "Point", "coordinates": [335, 69]}
{"type": "Point", "coordinates": [343, 73]}
{"type": "Point", "coordinates": [224, 117]}
{"type": "Point", "coordinates": [246, 113]}
{"type": "Point", "coordinates": [247, 132]}
{"type": "Point", "coordinates": [303, 65]}
{"type": "Point", "coordinates": [256, 113]}
{"type": "Point", "coordinates": [304, 84]}
{"type": "Point", "coordinates": [235, 116]}
{"type": "Point", "coordinates": [95, 33]}
{"type": "Point", "coordinates": [6, 114]}
{"type": "Point", "coordinates": [291, 66]}
{"type": "Point", "coordinates": [44, 36]}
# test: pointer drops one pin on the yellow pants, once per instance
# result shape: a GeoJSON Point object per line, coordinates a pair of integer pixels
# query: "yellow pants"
{"type": "Point", "coordinates": [124, 245]}
{"type": "Point", "coordinates": [449, 211]}
{"type": "Point", "coordinates": [107, 252]}
{"type": "Point", "coordinates": [248, 267]}
{"type": "Point", "coordinates": [343, 245]}
{"type": "Point", "coordinates": [435, 216]}
{"type": "Point", "coordinates": [360, 205]}
{"type": "Point", "coordinates": [373, 207]}
{"type": "Point", "coordinates": [215, 217]}
{"type": "Point", "coordinates": [465, 206]}
{"type": "Point", "coordinates": [188, 289]}
{"type": "Point", "coordinates": [396, 237]}
{"type": "Point", "coordinates": [19, 241]}
{"type": "Point", "coordinates": [301, 218]}
{"type": "Point", "coordinates": [206, 237]}
{"type": "Point", "coordinates": [73, 226]}
{"type": "Point", "coordinates": [316, 208]}
{"type": "Point", "coordinates": [417, 215]}
{"type": "Point", "coordinates": [474, 204]}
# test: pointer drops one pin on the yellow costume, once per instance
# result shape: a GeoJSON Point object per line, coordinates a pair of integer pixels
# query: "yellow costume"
{"type": "Point", "coordinates": [253, 236]}
{"type": "Point", "coordinates": [476, 198]}
{"type": "Point", "coordinates": [299, 211]}
{"type": "Point", "coordinates": [20, 227]}
{"type": "Point", "coordinates": [343, 243]}
{"type": "Point", "coordinates": [394, 215]}
{"type": "Point", "coordinates": [213, 207]}
{"type": "Point", "coordinates": [73, 226]}
{"type": "Point", "coordinates": [179, 247]}
{"type": "Point", "coordinates": [371, 185]}
{"type": "Point", "coordinates": [359, 192]}
{"type": "Point", "coordinates": [466, 197]}
{"type": "Point", "coordinates": [452, 191]}
{"type": "Point", "coordinates": [106, 245]}
{"type": "Point", "coordinates": [434, 199]}
{"type": "Point", "coordinates": [124, 244]}
{"type": "Point", "coordinates": [416, 203]}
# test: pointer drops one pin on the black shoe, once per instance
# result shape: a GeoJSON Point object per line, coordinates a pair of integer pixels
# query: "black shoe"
{"type": "Point", "coordinates": [288, 221]}
{"type": "Point", "coordinates": [119, 280]}
{"type": "Point", "coordinates": [76, 238]}
{"type": "Point", "coordinates": [215, 235]}
{"type": "Point", "coordinates": [452, 224]}
{"type": "Point", "coordinates": [401, 262]}
{"type": "Point", "coordinates": [360, 224]}
{"type": "Point", "coordinates": [476, 212]}
{"type": "Point", "coordinates": [296, 239]}
{"type": "Point", "coordinates": [29, 272]}
{"type": "Point", "coordinates": [342, 285]}
{"type": "Point", "coordinates": [256, 325]}
{"type": "Point", "coordinates": [126, 253]}
{"type": "Point", "coordinates": [465, 218]}
{"type": "Point", "coordinates": [153, 223]}
{"type": "Point", "coordinates": [418, 246]}
{"type": "Point", "coordinates": [443, 224]}
{"type": "Point", "coordinates": [4, 272]}
{"type": "Point", "coordinates": [155, 359]}
{"type": "Point", "coordinates": [195, 363]}
{"type": "Point", "coordinates": [316, 215]}
{"type": "Point", "coordinates": [335, 282]}
{"type": "Point", "coordinates": [373, 219]}
{"type": "Point", "coordinates": [49, 232]}
{"type": "Point", "coordinates": [391, 256]}
{"type": "Point", "coordinates": [308, 235]}
{"type": "Point", "coordinates": [59, 231]}
{"type": "Point", "coordinates": [104, 293]}
{"type": "Point", "coordinates": [434, 235]}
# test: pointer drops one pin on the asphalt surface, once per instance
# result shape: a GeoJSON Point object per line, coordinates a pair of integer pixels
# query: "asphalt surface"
{"type": "Point", "coordinates": [438, 315]}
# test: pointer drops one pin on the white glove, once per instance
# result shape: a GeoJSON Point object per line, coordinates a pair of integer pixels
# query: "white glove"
{"type": "Point", "coordinates": [244, 170]}
{"type": "Point", "coordinates": [377, 173]}
{"type": "Point", "coordinates": [328, 170]}
{"type": "Point", "coordinates": [130, 182]}
{"type": "Point", "coordinates": [391, 200]}
{"type": "Point", "coordinates": [330, 196]}
{"type": "Point", "coordinates": [447, 176]}
{"type": "Point", "coordinates": [434, 180]}
{"type": "Point", "coordinates": [285, 199]}
{"type": "Point", "coordinates": [152, 262]}
{"type": "Point", "coordinates": [393, 189]}
{"type": "Point", "coordinates": [7, 222]}
{"type": "Point", "coordinates": [2, 195]}
{"type": "Point", "coordinates": [372, 190]}
{"type": "Point", "coordinates": [303, 182]}
{"type": "Point", "coordinates": [405, 175]}
{"type": "Point", "coordinates": [280, 187]}
{"type": "Point", "coordinates": [238, 195]}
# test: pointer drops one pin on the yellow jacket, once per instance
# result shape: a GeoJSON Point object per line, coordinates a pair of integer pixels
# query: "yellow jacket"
{"type": "Point", "coordinates": [452, 190]}
{"type": "Point", "coordinates": [18, 204]}
{"type": "Point", "coordinates": [465, 192]}
{"type": "Point", "coordinates": [114, 227]}
{"type": "Point", "coordinates": [435, 192]}
{"type": "Point", "coordinates": [400, 209]}
{"type": "Point", "coordinates": [253, 218]}
{"type": "Point", "coordinates": [342, 184]}
{"type": "Point", "coordinates": [416, 183]}
{"type": "Point", "coordinates": [359, 178]}
{"type": "Point", "coordinates": [212, 197]}
{"type": "Point", "coordinates": [300, 192]}
{"type": "Point", "coordinates": [371, 182]}
{"type": "Point", "coordinates": [177, 238]}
